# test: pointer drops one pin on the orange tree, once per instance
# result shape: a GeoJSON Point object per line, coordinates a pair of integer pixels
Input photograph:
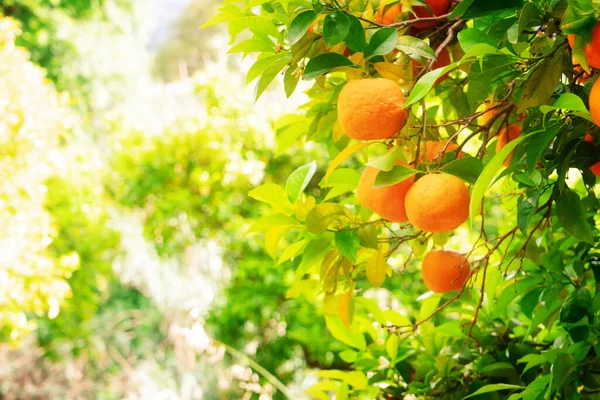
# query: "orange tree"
{"type": "Point", "coordinates": [475, 123]}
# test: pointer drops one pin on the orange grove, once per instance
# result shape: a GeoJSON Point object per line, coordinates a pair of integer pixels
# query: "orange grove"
{"type": "Point", "coordinates": [595, 102]}
{"type": "Point", "coordinates": [439, 7]}
{"type": "Point", "coordinates": [437, 203]}
{"type": "Point", "coordinates": [444, 270]}
{"type": "Point", "coordinates": [371, 109]}
{"type": "Point", "coordinates": [389, 16]}
{"type": "Point", "coordinates": [592, 49]}
{"type": "Point", "coordinates": [387, 201]}
{"type": "Point", "coordinates": [508, 135]}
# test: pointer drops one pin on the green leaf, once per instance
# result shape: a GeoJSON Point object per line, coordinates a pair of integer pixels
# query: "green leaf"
{"type": "Point", "coordinates": [376, 269]}
{"type": "Point", "coordinates": [386, 161]}
{"type": "Point", "coordinates": [299, 180]}
{"type": "Point", "coordinates": [480, 8]}
{"type": "Point", "coordinates": [532, 360]}
{"type": "Point", "coordinates": [322, 215]}
{"type": "Point", "coordinates": [577, 306]}
{"type": "Point", "coordinates": [424, 85]}
{"type": "Point", "coordinates": [273, 237]}
{"type": "Point", "coordinates": [539, 143]}
{"type": "Point", "coordinates": [261, 65]}
{"type": "Point", "coordinates": [542, 82]}
{"type": "Point", "coordinates": [571, 215]}
{"type": "Point", "coordinates": [570, 102]}
{"type": "Point", "coordinates": [487, 176]}
{"type": "Point", "coordinates": [415, 48]}
{"type": "Point", "coordinates": [290, 80]}
{"type": "Point", "coordinates": [324, 63]}
{"type": "Point", "coordinates": [356, 40]}
{"type": "Point", "coordinates": [494, 388]}
{"type": "Point", "coordinates": [562, 370]}
{"type": "Point", "coordinates": [341, 332]}
{"type": "Point", "coordinates": [467, 168]}
{"type": "Point", "coordinates": [530, 16]}
{"type": "Point", "coordinates": [470, 37]}
{"type": "Point", "coordinates": [256, 44]}
{"type": "Point", "coordinates": [348, 243]}
{"type": "Point", "coordinates": [500, 369]}
{"type": "Point", "coordinates": [226, 14]}
{"type": "Point", "coordinates": [526, 209]}
{"type": "Point", "coordinates": [300, 24]}
{"type": "Point", "coordinates": [268, 75]}
{"type": "Point", "coordinates": [291, 251]}
{"type": "Point", "coordinates": [335, 28]}
{"type": "Point", "coordinates": [382, 42]}
{"type": "Point", "coordinates": [397, 174]}
{"type": "Point", "coordinates": [273, 195]}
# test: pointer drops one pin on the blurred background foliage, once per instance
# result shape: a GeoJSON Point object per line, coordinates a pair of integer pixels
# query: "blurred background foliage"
{"type": "Point", "coordinates": [125, 257]}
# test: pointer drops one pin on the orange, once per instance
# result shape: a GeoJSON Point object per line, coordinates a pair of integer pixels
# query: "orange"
{"type": "Point", "coordinates": [371, 109]}
{"type": "Point", "coordinates": [437, 203]}
{"type": "Point", "coordinates": [508, 135]}
{"type": "Point", "coordinates": [485, 118]}
{"type": "Point", "coordinates": [444, 270]}
{"type": "Point", "coordinates": [442, 60]}
{"type": "Point", "coordinates": [595, 102]}
{"type": "Point", "coordinates": [439, 7]}
{"type": "Point", "coordinates": [592, 49]}
{"type": "Point", "coordinates": [588, 138]}
{"type": "Point", "coordinates": [389, 16]}
{"type": "Point", "coordinates": [433, 151]}
{"type": "Point", "coordinates": [387, 201]}
{"type": "Point", "coordinates": [595, 169]}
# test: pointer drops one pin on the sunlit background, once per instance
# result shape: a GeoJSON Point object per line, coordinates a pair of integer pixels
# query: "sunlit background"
{"type": "Point", "coordinates": [129, 142]}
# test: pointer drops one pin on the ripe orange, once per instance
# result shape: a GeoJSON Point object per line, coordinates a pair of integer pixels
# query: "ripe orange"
{"type": "Point", "coordinates": [437, 203]}
{"type": "Point", "coordinates": [508, 135]}
{"type": "Point", "coordinates": [439, 7]}
{"type": "Point", "coordinates": [442, 60]}
{"type": "Point", "coordinates": [386, 201]}
{"type": "Point", "coordinates": [595, 169]}
{"type": "Point", "coordinates": [592, 49]}
{"type": "Point", "coordinates": [370, 109]}
{"type": "Point", "coordinates": [595, 102]}
{"type": "Point", "coordinates": [444, 270]}
{"type": "Point", "coordinates": [588, 138]}
{"type": "Point", "coordinates": [389, 16]}
{"type": "Point", "coordinates": [433, 150]}
{"type": "Point", "coordinates": [485, 118]}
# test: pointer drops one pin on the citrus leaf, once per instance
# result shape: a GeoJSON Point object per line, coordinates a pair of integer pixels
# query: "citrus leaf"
{"type": "Point", "coordinates": [324, 63]}
{"type": "Point", "coordinates": [542, 82]}
{"type": "Point", "coordinates": [382, 42]}
{"type": "Point", "coordinates": [353, 338]}
{"type": "Point", "coordinates": [291, 251]}
{"type": "Point", "coordinates": [415, 48]}
{"type": "Point", "coordinates": [539, 143]}
{"type": "Point", "coordinates": [494, 388]}
{"type": "Point", "coordinates": [526, 209]}
{"type": "Point", "coordinates": [468, 38]}
{"type": "Point", "coordinates": [273, 195]}
{"type": "Point", "coordinates": [467, 168]}
{"type": "Point", "coordinates": [335, 28]}
{"type": "Point", "coordinates": [386, 161]}
{"type": "Point", "coordinates": [343, 156]}
{"type": "Point", "coordinates": [299, 25]}
{"type": "Point", "coordinates": [397, 174]}
{"type": "Point", "coordinates": [376, 269]}
{"type": "Point", "coordinates": [571, 215]}
{"type": "Point", "coordinates": [290, 80]}
{"type": "Point", "coordinates": [348, 244]}
{"type": "Point", "coordinates": [299, 180]}
{"type": "Point", "coordinates": [322, 215]}
{"type": "Point", "coordinates": [355, 40]}
{"type": "Point", "coordinates": [424, 85]}
{"type": "Point", "coordinates": [487, 175]}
